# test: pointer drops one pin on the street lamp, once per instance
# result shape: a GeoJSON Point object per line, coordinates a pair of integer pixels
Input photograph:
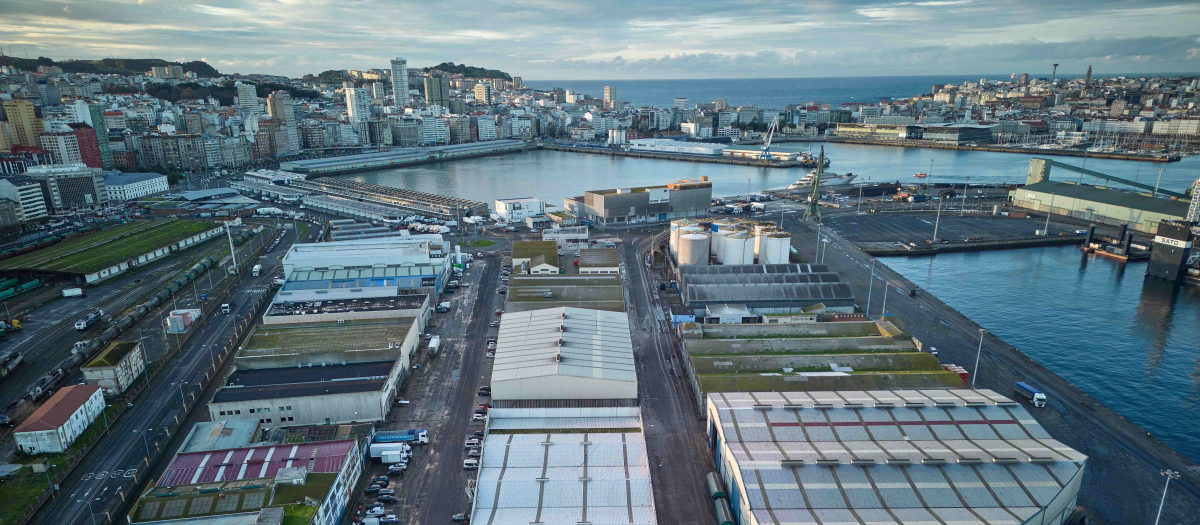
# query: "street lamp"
{"type": "Point", "coordinates": [91, 512]}
{"type": "Point", "coordinates": [181, 398]}
{"type": "Point", "coordinates": [144, 441]}
{"type": "Point", "coordinates": [938, 220]}
{"type": "Point", "coordinates": [1170, 474]}
{"type": "Point", "coordinates": [977, 354]}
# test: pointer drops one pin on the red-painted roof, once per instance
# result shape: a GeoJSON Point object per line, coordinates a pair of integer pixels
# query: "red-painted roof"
{"type": "Point", "coordinates": [58, 409]}
{"type": "Point", "coordinates": [254, 462]}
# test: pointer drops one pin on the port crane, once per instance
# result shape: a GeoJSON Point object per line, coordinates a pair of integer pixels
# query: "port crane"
{"type": "Point", "coordinates": [814, 209]}
{"type": "Point", "coordinates": [766, 149]}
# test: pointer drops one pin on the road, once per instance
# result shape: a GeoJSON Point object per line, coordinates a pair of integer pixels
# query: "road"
{"type": "Point", "coordinates": [102, 483]}
{"type": "Point", "coordinates": [675, 437]}
{"type": "Point", "coordinates": [1121, 485]}
{"type": "Point", "coordinates": [442, 396]}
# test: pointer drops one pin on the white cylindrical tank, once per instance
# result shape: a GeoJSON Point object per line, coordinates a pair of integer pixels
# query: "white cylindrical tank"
{"type": "Point", "coordinates": [776, 248]}
{"type": "Point", "coordinates": [737, 247]}
{"type": "Point", "coordinates": [677, 234]}
{"type": "Point", "coordinates": [677, 225]}
{"type": "Point", "coordinates": [760, 233]}
{"type": "Point", "coordinates": [693, 248]}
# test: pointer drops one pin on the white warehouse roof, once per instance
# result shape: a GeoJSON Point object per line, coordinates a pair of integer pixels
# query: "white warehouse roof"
{"type": "Point", "coordinates": [564, 353]}
{"type": "Point", "coordinates": [600, 477]}
{"type": "Point", "coordinates": [903, 457]}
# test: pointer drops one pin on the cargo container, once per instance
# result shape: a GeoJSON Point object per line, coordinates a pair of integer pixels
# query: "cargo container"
{"type": "Point", "coordinates": [716, 488]}
{"type": "Point", "coordinates": [1027, 391]}
{"type": "Point", "coordinates": [379, 449]}
{"type": "Point", "coordinates": [73, 292]}
{"type": "Point", "coordinates": [434, 345]}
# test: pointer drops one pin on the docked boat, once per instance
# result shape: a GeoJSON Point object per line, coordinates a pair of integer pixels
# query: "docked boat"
{"type": "Point", "coordinates": [827, 179]}
{"type": "Point", "coordinates": [808, 161]}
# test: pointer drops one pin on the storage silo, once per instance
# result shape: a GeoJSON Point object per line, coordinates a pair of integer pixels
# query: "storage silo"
{"type": "Point", "coordinates": [776, 248]}
{"type": "Point", "coordinates": [693, 249]}
{"type": "Point", "coordinates": [739, 249]}
{"type": "Point", "coordinates": [760, 232]}
{"type": "Point", "coordinates": [677, 225]}
{"type": "Point", "coordinates": [720, 229]}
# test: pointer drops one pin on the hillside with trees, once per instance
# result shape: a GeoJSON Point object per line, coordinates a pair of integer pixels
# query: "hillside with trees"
{"type": "Point", "coordinates": [113, 66]}
{"type": "Point", "coordinates": [470, 71]}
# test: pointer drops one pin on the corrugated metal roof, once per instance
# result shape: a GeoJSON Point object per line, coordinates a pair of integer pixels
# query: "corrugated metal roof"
{"type": "Point", "coordinates": [592, 478]}
{"type": "Point", "coordinates": [950, 456]}
{"type": "Point", "coordinates": [254, 462]}
{"type": "Point", "coordinates": [594, 344]}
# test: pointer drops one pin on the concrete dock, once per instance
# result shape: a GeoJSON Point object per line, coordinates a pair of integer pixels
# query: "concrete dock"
{"type": "Point", "coordinates": [1122, 484]}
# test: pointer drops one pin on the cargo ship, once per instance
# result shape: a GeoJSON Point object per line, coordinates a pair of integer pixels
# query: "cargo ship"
{"type": "Point", "coordinates": [827, 179]}
{"type": "Point", "coordinates": [920, 175]}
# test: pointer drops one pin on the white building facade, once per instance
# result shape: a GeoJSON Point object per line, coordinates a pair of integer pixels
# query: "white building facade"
{"type": "Point", "coordinates": [56, 425]}
{"type": "Point", "coordinates": [516, 210]}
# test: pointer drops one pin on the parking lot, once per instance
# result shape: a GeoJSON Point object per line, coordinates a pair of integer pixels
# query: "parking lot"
{"type": "Point", "coordinates": [917, 227]}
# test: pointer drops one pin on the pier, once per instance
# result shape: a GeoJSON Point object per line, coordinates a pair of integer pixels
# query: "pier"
{"type": "Point", "coordinates": [399, 158]}
{"type": "Point", "coordinates": [716, 159]}
{"type": "Point", "coordinates": [1007, 149]}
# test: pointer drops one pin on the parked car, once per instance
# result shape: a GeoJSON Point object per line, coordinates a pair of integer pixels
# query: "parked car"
{"type": "Point", "coordinates": [376, 511]}
{"type": "Point", "coordinates": [495, 324]}
{"type": "Point", "coordinates": [475, 452]}
{"type": "Point", "coordinates": [390, 518]}
{"type": "Point", "coordinates": [386, 499]}
{"type": "Point", "coordinates": [372, 489]}
{"type": "Point", "coordinates": [387, 492]}
{"type": "Point", "coordinates": [489, 355]}
{"type": "Point", "coordinates": [485, 391]}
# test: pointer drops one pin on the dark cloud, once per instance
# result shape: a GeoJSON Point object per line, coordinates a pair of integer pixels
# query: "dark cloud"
{"type": "Point", "coordinates": [586, 39]}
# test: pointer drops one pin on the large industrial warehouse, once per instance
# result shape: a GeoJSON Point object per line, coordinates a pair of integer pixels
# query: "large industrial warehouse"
{"type": "Point", "coordinates": [907, 457]}
{"type": "Point", "coordinates": [765, 288]}
{"type": "Point", "coordinates": [558, 356]}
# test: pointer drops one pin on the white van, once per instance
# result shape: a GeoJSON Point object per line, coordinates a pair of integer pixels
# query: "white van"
{"type": "Point", "coordinates": [471, 464]}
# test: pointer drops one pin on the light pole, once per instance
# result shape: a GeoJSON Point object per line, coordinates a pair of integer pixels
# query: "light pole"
{"type": "Point", "coordinates": [144, 442]}
{"type": "Point", "coordinates": [91, 512]}
{"type": "Point", "coordinates": [885, 291]}
{"type": "Point", "coordinates": [53, 491]}
{"type": "Point", "coordinates": [978, 352]}
{"type": "Point", "coordinates": [181, 398]}
{"type": "Point", "coordinates": [870, 287]}
{"type": "Point", "coordinates": [938, 220]}
{"type": "Point", "coordinates": [1170, 474]}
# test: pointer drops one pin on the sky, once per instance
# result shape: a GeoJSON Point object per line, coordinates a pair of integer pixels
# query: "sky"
{"type": "Point", "coordinates": [622, 39]}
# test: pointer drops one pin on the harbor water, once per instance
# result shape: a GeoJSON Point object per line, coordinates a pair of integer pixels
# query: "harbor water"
{"type": "Point", "coordinates": [552, 175]}
{"type": "Point", "coordinates": [1132, 345]}
{"type": "Point", "coordinates": [1131, 342]}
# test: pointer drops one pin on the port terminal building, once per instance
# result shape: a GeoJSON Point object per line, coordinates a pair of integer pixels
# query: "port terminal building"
{"type": "Point", "coordinates": [906, 457]}
{"type": "Point", "coordinates": [648, 204]}
{"type": "Point", "coordinates": [1141, 210]}
{"type": "Point", "coordinates": [377, 268]}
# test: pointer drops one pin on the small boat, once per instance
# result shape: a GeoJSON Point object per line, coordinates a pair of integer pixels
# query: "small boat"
{"type": "Point", "coordinates": [920, 175]}
{"type": "Point", "coordinates": [827, 179]}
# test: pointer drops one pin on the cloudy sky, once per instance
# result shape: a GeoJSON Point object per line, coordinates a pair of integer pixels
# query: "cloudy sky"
{"type": "Point", "coordinates": [623, 39]}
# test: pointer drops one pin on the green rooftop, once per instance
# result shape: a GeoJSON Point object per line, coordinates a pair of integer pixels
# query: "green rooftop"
{"type": "Point", "coordinates": [112, 354]}
{"type": "Point", "coordinates": [109, 247]}
{"type": "Point", "coordinates": [532, 249]}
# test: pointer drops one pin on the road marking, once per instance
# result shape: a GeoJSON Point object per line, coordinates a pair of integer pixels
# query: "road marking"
{"type": "Point", "coordinates": [116, 473]}
{"type": "Point", "coordinates": [86, 477]}
{"type": "Point", "coordinates": [130, 473]}
{"type": "Point", "coordinates": [101, 475]}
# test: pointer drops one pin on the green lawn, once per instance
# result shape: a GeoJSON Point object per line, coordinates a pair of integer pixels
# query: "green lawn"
{"type": "Point", "coordinates": [298, 514]}
{"type": "Point", "coordinates": [482, 243]}
{"type": "Point", "coordinates": [19, 492]}
{"type": "Point", "coordinates": [316, 486]}
{"type": "Point", "coordinates": [100, 250]}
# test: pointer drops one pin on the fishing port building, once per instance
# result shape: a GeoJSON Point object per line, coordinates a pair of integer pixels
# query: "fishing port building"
{"type": "Point", "coordinates": [968, 457]}
{"type": "Point", "coordinates": [399, 157]}
{"type": "Point", "coordinates": [405, 202]}
{"type": "Point", "coordinates": [676, 200]}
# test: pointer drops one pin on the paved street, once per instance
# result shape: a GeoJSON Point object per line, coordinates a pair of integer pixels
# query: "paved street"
{"type": "Point", "coordinates": [442, 396]}
{"type": "Point", "coordinates": [1121, 485]}
{"type": "Point", "coordinates": [675, 438]}
{"type": "Point", "coordinates": [104, 481]}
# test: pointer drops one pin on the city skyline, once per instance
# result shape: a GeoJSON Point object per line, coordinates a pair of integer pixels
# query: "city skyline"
{"type": "Point", "coordinates": [579, 41]}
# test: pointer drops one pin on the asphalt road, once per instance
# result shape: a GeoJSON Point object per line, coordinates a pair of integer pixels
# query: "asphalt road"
{"type": "Point", "coordinates": [442, 396]}
{"type": "Point", "coordinates": [104, 481]}
{"type": "Point", "coordinates": [675, 437]}
{"type": "Point", "coordinates": [1121, 484]}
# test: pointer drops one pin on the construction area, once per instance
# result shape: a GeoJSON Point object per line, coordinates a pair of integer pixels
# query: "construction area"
{"type": "Point", "coordinates": [103, 254]}
{"type": "Point", "coordinates": [804, 356]}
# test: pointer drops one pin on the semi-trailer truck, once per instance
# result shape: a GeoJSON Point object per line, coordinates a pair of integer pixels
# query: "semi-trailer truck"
{"type": "Point", "coordinates": [257, 269]}
{"type": "Point", "coordinates": [379, 449]}
{"type": "Point", "coordinates": [412, 437]}
{"type": "Point", "coordinates": [1035, 396]}
{"type": "Point", "coordinates": [434, 343]}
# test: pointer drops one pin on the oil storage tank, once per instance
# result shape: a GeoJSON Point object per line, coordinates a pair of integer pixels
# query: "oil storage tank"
{"type": "Point", "coordinates": [776, 248]}
{"type": "Point", "coordinates": [693, 248]}
{"type": "Point", "coordinates": [676, 226]}
{"type": "Point", "coordinates": [685, 230]}
{"type": "Point", "coordinates": [738, 249]}
{"type": "Point", "coordinates": [760, 231]}
{"type": "Point", "coordinates": [720, 228]}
